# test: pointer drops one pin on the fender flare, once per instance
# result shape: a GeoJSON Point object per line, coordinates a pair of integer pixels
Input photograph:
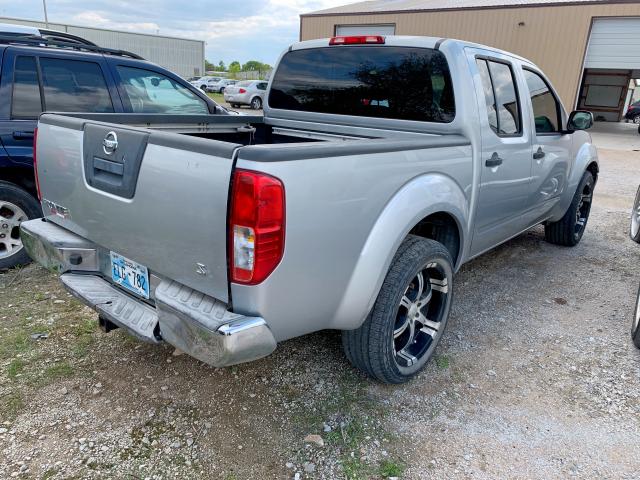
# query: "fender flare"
{"type": "Point", "coordinates": [585, 156]}
{"type": "Point", "coordinates": [420, 197]}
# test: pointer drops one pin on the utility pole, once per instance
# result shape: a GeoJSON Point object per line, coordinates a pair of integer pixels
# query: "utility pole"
{"type": "Point", "coordinates": [46, 18]}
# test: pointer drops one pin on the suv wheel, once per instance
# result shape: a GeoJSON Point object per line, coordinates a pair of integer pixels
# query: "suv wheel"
{"type": "Point", "coordinates": [635, 324]}
{"type": "Point", "coordinates": [409, 316]}
{"type": "Point", "coordinates": [569, 229]}
{"type": "Point", "coordinates": [256, 103]}
{"type": "Point", "coordinates": [16, 206]}
{"type": "Point", "coordinates": [636, 119]}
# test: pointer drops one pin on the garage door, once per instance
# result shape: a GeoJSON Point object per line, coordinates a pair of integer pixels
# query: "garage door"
{"type": "Point", "coordinates": [370, 29]}
{"type": "Point", "coordinates": [614, 43]}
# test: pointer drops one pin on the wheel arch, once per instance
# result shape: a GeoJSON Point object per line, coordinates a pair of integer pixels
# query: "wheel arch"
{"type": "Point", "coordinates": [432, 206]}
{"type": "Point", "coordinates": [586, 160]}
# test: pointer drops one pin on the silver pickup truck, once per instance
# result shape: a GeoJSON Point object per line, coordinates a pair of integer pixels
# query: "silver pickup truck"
{"type": "Point", "coordinates": [381, 165]}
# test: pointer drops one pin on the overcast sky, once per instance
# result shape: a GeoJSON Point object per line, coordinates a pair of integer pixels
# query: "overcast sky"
{"type": "Point", "coordinates": [233, 29]}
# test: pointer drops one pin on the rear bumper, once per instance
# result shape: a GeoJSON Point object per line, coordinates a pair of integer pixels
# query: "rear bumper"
{"type": "Point", "coordinates": [196, 323]}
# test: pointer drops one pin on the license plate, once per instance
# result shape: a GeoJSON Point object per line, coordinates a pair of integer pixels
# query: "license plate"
{"type": "Point", "coordinates": [130, 275]}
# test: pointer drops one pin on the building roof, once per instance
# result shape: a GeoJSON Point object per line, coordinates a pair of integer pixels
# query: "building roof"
{"type": "Point", "coordinates": [405, 6]}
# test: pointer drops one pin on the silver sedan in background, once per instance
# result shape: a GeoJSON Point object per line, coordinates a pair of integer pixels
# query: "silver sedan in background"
{"type": "Point", "coordinates": [248, 92]}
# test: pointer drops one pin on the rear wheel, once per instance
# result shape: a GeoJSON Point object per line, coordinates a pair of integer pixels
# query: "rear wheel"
{"type": "Point", "coordinates": [409, 316]}
{"type": "Point", "coordinates": [635, 324]}
{"type": "Point", "coordinates": [569, 229]}
{"type": "Point", "coordinates": [636, 119]}
{"type": "Point", "coordinates": [16, 206]}
{"type": "Point", "coordinates": [203, 88]}
{"type": "Point", "coordinates": [256, 103]}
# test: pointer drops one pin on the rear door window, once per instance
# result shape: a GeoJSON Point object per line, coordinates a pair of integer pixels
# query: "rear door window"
{"type": "Point", "coordinates": [370, 81]}
{"type": "Point", "coordinates": [501, 97]}
{"type": "Point", "coordinates": [74, 86]}
{"type": "Point", "coordinates": [25, 102]}
{"type": "Point", "coordinates": [153, 92]}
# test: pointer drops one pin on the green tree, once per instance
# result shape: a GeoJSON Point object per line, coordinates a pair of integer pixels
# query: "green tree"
{"type": "Point", "coordinates": [234, 68]}
{"type": "Point", "coordinates": [221, 66]}
{"type": "Point", "coordinates": [208, 66]}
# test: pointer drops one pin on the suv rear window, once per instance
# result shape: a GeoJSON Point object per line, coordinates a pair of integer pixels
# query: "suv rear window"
{"type": "Point", "coordinates": [386, 82]}
{"type": "Point", "coordinates": [74, 86]}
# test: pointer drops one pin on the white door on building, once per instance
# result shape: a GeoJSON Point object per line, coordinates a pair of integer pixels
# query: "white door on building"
{"type": "Point", "coordinates": [614, 43]}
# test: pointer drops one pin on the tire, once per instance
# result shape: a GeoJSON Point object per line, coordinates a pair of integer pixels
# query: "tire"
{"type": "Point", "coordinates": [256, 103]}
{"type": "Point", "coordinates": [406, 323]}
{"type": "Point", "coordinates": [221, 90]}
{"type": "Point", "coordinates": [635, 322]}
{"type": "Point", "coordinates": [203, 88]}
{"type": "Point", "coordinates": [636, 119]}
{"type": "Point", "coordinates": [569, 229]}
{"type": "Point", "coordinates": [634, 229]}
{"type": "Point", "coordinates": [16, 206]}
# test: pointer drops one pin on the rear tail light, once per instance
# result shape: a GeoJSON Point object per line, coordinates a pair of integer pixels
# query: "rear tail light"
{"type": "Point", "coordinates": [256, 226]}
{"type": "Point", "coordinates": [357, 40]}
{"type": "Point", "coordinates": [35, 162]}
{"type": "Point", "coordinates": [242, 90]}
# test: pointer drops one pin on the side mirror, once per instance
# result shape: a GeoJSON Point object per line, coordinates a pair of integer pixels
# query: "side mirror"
{"type": "Point", "coordinates": [579, 120]}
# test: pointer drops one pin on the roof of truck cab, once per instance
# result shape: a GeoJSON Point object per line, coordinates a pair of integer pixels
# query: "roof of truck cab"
{"type": "Point", "coordinates": [408, 41]}
{"type": "Point", "coordinates": [408, 6]}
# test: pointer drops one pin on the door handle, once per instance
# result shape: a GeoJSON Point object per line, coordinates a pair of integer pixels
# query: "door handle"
{"type": "Point", "coordinates": [494, 161]}
{"type": "Point", "coordinates": [22, 135]}
{"type": "Point", "coordinates": [539, 154]}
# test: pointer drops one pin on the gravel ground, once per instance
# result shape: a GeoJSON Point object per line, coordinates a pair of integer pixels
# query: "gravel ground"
{"type": "Point", "coordinates": [536, 377]}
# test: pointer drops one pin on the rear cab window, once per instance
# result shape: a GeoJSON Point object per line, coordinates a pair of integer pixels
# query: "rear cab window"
{"type": "Point", "coordinates": [404, 83]}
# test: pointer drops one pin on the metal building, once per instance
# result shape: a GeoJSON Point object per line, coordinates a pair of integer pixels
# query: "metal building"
{"type": "Point", "coordinates": [180, 55]}
{"type": "Point", "coordinates": [590, 49]}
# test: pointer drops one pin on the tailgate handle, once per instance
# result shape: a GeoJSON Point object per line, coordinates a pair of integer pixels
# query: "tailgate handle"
{"type": "Point", "coordinates": [22, 135]}
{"type": "Point", "coordinates": [114, 168]}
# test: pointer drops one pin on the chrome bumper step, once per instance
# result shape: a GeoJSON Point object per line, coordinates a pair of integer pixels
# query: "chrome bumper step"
{"type": "Point", "coordinates": [139, 319]}
{"type": "Point", "coordinates": [197, 324]}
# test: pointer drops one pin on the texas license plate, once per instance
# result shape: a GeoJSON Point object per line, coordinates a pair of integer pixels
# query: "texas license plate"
{"type": "Point", "coordinates": [130, 275]}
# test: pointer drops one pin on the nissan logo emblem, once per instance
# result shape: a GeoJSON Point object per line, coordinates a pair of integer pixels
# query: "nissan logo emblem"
{"type": "Point", "coordinates": [110, 143]}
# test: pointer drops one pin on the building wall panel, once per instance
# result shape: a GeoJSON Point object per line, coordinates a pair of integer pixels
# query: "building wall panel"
{"type": "Point", "coordinates": [182, 56]}
{"type": "Point", "coordinates": [554, 38]}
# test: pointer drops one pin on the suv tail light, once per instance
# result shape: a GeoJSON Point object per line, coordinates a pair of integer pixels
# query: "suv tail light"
{"type": "Point", "coordinates": [242, 90]}
{"type": "Point", "coordinates": [256, 226]}
{"type": "Point", "coordinates": [357, 40]}
{"type": "Point", "coordinates": [35, 161]}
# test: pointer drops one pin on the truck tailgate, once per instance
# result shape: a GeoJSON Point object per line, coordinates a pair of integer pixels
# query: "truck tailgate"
{"type": "Point", "coordinates": [155, 198]}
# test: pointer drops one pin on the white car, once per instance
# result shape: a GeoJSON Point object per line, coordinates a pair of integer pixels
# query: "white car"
{"type": "Point", "coordinates": [249, 92]}
{"type": "Point", "coordinates": [220, 85]}
{"type": "Point", "coordinates": [202, 82]}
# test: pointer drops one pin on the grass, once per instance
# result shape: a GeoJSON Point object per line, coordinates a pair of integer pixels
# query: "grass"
{"type": "Point", "coordinates": [442, 361]}
{"type": "Point", "coordinates": [389, 468]}
{"type": "Point", "coordinates": [216, 97]}
{"type": "Point", "coordinates": [15, 368]}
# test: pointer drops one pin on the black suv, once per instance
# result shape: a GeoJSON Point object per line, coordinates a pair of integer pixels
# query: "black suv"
{"type": "Point", "coordinates": [43, 70]}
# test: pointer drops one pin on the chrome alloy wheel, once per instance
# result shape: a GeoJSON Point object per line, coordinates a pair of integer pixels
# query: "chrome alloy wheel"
{"type": "Point", "coordinates": [421, 316]}
{"type": "Point", "coordinates": [636, 316]}
{"type": "Point", "coordinates": [584, 207]}
{"type": "Point", "coordinates": [11, 216]}
{"type": "Point", "coordinates": [635, 217]}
